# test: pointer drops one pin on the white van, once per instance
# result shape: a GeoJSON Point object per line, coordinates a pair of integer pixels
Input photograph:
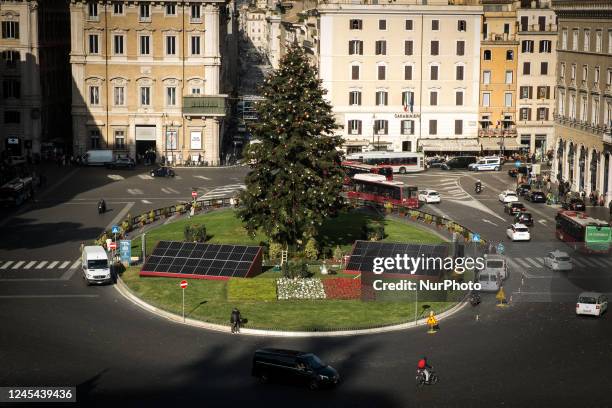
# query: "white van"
{"type": "Point", "coordinates": [486, 163]}
{"type": "Point", "coordinates": [488, 282]}
{"type": "Point", "coordinates": [95, 265]}
{"type": "Point", "coordinates": [98, 157]}
{"type": "Point", "coordinates": [496, 264]}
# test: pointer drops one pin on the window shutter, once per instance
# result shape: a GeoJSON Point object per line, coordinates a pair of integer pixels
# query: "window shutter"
{"type": "Point", "coordinates": [528, 113]}
{"type": "Point", "coordinates": [546, 113]}
{"type": "Point", "coordinates": [359, 126]}
{"type": "Point", "coordinates": [548, 92]}
{"type": "Point", "coordinates": [460, 48]}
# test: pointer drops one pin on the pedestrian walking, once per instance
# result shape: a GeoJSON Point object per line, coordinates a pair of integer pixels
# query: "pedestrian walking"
{"type": "Point", "coordinates": [235, 319]}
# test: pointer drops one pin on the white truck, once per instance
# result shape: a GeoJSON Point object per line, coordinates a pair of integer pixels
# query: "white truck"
{"type": "Point", "coordinates": [97, 157]}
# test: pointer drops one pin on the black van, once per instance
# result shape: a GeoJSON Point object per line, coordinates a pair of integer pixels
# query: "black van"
{"type": "Point", "coordinates": [459, 162]}
{"type": "Point", "coordinates": [306, 368]}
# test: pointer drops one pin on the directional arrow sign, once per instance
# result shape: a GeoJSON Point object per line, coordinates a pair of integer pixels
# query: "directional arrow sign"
{"type": "Point", "coordinates": [543, 222]}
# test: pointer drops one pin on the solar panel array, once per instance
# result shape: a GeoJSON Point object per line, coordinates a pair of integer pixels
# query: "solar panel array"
{"type": "Point", "coordinates": [203, 261]}
{"type": "Point", "coordinates": [364, 252]}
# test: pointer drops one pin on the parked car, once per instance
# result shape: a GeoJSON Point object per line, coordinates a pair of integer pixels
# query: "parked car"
{"type": "Point", "coordinates": [508, 196]}
{"type": "Point", "coordinates": [439, 165]}
{"type": "Point", "coordinates": [276, 364]}
{"type": "Point", "coordinates": [121, 163]}
{"type": "Point", "coordinates": [591, 303]}
{"type": "Point", "coordinates": [429, 196]}
{"type": "Point", "coordinates": [523, 190]}
{"type": "Point", "coordinates": [536, 197]}
{"type": "Point", "coordinates": [513, 208]}
{"type": "Point", "coordinates": [524, 218]}
{"type": "Point", "coordinates": [518, 232]}
{"type": "Point", "coordinates": [162, 171]}
{"type": "Point", "coordinates": [486, 163]}
{"type": "Point", "coordinates": [435, 162]}
{"type": "Point", "coordinates": [558, 261]}
{"type": "Point", "coordinates": [574, 204]}
{"type": "Point", "coordinates": [459, 162]}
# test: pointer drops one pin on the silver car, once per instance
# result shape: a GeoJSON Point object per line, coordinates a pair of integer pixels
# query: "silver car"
{"type": "Point", "coordinates": [558, 261]}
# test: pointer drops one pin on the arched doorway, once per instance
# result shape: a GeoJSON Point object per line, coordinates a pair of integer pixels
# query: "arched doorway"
{"type": "Point", "coordinates": [593, 169]}
{"type": "Point", "coordinates": [560, 150]}
{"type": "Point", "coordinates": [581, 168]}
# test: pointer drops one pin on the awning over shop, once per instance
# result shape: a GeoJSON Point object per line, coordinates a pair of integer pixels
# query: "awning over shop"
{"type": "Point", "coordinates": [351, 143]}
{"type": "Point", "coordinates": [495, 143]}
{"type": "Point", "coordinates": [449, 145]}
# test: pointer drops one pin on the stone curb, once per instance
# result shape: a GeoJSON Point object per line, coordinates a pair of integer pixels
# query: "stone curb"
{"type": "Point", "coordinates": [123, 289]}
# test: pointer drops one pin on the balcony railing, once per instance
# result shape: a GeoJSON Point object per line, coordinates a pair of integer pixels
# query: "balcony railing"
{"type": "Point", "coordinates": [539, 28]}
{"type": "Point", "coordinates": [204, 105]}
{"type": "Point", "coordinates": [493, 132]}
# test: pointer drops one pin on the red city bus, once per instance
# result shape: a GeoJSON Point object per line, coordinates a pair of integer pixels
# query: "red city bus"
{"type": "Point", "coordinates": [583, 232]}
{"type": "Point", "coordinates": [371, 187]}
{"type": "Point", "coordinates": [353, 168]}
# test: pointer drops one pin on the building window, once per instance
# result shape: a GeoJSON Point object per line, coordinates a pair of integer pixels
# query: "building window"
{"type": "Point", "coordinates": [486, 55]}
{"type": "Point", "coordinates": [408, 47]}
{"type": "Point", "coordinates": [408, 72]}
{"type": "Point", "coordinates": [94, 44]}
{"type": "Point", "coordinates": [575, 40]}
{"type": "Point", "coordinates": [461, 25]}
{"type": "Point", "coordinates": [508, 99]}
{"type": "Point", "coordinates": [598, 40]}
{"type": "Point", "coordinates": [526, 68]}
{"type": "Point", "coordinates": [408, 25]}
{"type": "Point", "coordinates": [486, 99]}
{"type": "Point", "coordinates": [526, 92]}
{"type": "Point", "coordinates": [433, 73]}
{"type": "Point", "coordinates": [459, 98]}
{"type": "Point", "coordinates": [407, 127]}
{"type": "Point", "coordinates": [608, 114]}
{"type": "Point", "coordinates": [355, 47]}
{"type": "Point", "coordinates": [509, 77]}
{"type": "Point", "coordinates": [509, 55]}
{"type": "Point", "coordinates": [609, 78]}
{"type": "Point", "coordinates": [171, 96]}
{"type": "Point", "coordinates": [94, 138]}
{"type": "Point", "coordinates": [354, 127]}
{"type": "Point", "coordinates": [458, 127]}
{"type": "Point", "coordinates": [118, 44]}
{"type": "Point", "coordinates": [433, 127]}
{"type": "Point", "coordinates": [564, 40]}
{"type": "Point", "coordinates": [171, 9]}
{"type": "Point", "coordinates": [586, 46]}
{"type": "Point", "coordinates": [433, 98]}
{"type": "Point", "coordinates": [170, 45]}
{"type": "Point", "coordinates": [435, 25]}
{"type": "Point", "coordinates": [506, 28]}
{"type": "Point", "coordinates": [459, 69]}
{"type": "Point", "coordinates": [10, 58]}
{"type": "Point", "coordinates": [117, 8]}
{"type": "Point", "coordinates": [145, 45]}
{"type": "Point", "coordinates": [573, 73]}
{"type": "Point", "coordinates": [460, 47]}
{"type": "Point", "coordinates": [408, 99]}
{"type": "Point", "coordinates": [355, 98]}
{"type": "Point", "coordinates": [595, 112]}
{"type": "Point", "coordinates": [543, 92]}
{"type": "Point", "coordinates": [486, 77]}
{"type": "Point", "coordinates": [120, 139]}
{"type": "Point", "coordinates": [92, 10]}
{"type": "Point", "coordinates": [195, 45]}
{"type": "Point", "coordinates": [94, 95]}
{"type": "Point", "coordinates": [435, 48]}
{"type": "Point", "coordinates": [145, 12]}
{"type": "Point", "coordinates": [355, 72]}
{"type": "Point", "coordinates": [562, 70]}
{"type": "Point", "coordinates": [119, 96]}
{"type": "Point", "coordinates": [583, 108]}
{"type": "Point", "coordinates": [542, 113]}
{"type": "Point", "coordinates": [596, 75]}
{"type": "Point", "coordinates": [195, 13]}
{"type": "Point", "coordinates": [11, 88]}
{"type": "Point", "coordinates": [609, 41]}
{"type": "Point", "coordinates": [145, 96]}
{"type": "Point", "coordinates": [381, 127]}
{"type": "Point", "coordinates": [545, 46]}
{"type": "Point", "coordinates": [381, 47]}
{"type": "Point", "coordinates": [585, 73]}
{"type": "Point", "coordinates": [382, 24]}
{"type": "Point", "coordinates": [561, 103]}
{"type": "Point", "coordinates": [382, 72]}
{"type": "Point", "coordinates": [525, 114]}
{"type": "Point", "coordinates": [12, 117]}
{"type": "Point", "coordinates": [355, 24]}
{"type": "Point", "coordinates": [195, 91]}
{"type": "Point", "coordinates": [382, 98]}
{"type": "Point", "coordinates": [527, 46]}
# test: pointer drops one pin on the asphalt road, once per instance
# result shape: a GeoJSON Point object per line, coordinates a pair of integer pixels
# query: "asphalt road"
{"type": "Point", "coordinates": [57, 331]}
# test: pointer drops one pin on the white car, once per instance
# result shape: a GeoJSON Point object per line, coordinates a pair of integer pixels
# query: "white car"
{"type": "Point", "coordinates": [591, 303]}
{"type": "Point", "coordinates": [429, 196]}
{"type": "Point", "coordinates": [518, 232]}
{"type": "Point", "coordinates": [508, 196]}
{"type": "Point", "coordinates": [558, 261]}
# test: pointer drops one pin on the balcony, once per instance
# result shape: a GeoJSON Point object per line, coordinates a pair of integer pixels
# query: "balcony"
{"type": "Point", "coordinates": [539, 28]}
{"type": "Point", "coordinates": [497, 132]}
{"type": "Point", "coordinates": [204, 105]}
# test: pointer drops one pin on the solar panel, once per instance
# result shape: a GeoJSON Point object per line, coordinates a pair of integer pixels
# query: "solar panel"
{"type": "Point", "coordinates": [202, 261]}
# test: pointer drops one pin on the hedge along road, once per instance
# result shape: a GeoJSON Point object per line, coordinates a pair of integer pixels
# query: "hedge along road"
{"type": "Point", "coordinates": [212, 301]}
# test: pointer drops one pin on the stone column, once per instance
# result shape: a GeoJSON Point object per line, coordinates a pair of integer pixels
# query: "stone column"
{"type": "Point", "coordinates": [609, 195]}
{"type": "Point", "coordinates": [211, 134]}
{"type": "Point", "coordinates": [566, 169]}
{"type": "Point", "coordinates": [211, 50]}
{"type": "Point", "coordinates": [600, 172]}
{"type": "Point", "coordinates": [587, 172]}
{"type": "Point", "coordinates": [576, 170]}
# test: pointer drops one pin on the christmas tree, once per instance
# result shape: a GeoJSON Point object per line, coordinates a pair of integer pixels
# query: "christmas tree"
{"type": "Point", "coordinates": [295, 179]}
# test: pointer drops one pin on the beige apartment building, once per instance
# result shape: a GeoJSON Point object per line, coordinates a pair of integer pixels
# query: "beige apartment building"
{"type": "Point", "coordinates": [148, 75]}
{"type": "Point", "coordinates": [402, 76]}
{"type": "Point", "coordinates": [583, 122]}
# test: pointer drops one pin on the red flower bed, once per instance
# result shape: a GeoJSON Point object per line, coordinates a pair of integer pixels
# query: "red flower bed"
{"type": "Point", "coordinates": [342, 288]}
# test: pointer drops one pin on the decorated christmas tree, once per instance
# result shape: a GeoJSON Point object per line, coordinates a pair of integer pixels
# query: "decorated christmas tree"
{"type": "Point", "coordinates": [295, 179]}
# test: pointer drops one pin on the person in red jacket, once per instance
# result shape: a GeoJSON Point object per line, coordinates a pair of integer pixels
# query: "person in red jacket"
{"type": "Point", "coordinates": [423, 366]}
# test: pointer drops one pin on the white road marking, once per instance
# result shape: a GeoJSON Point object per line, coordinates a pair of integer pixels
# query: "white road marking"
{"type": "Point", "coordinates": [52, 264]}
{"type": "Point", "coordinates": [489, 222]}
{"type": "Point", "coordinates": [578, 262]}
{"type": "Point", "coordinates": [75, 264]}
{"type": "Point", "coordinates": [29, 265]}
{"type": "Point", "coordinates": [18, 265]}
{"type": "Point", "coordinates": [523, 263]}
{"type": "Point", "coordinates": [145, 177]}
{"type": "Point", "coordinates": [146, 202]}
{"type": "Point", "coordinates": [135, 191]}
{"type": "Point", "coordinates": [6, 265]}
{"type": "Point", "coordinates": [178, 178]}
{"type": "Point", "coordinates": [41, 265]}
{"type": "Point", "coordinates": [64, 264]}
{"type": "Point", "coordinates": [588, 262]}
{"type": "Point", "coordinates": [598, 262]}
{"type": "Point", "coordinates": [543, 222]}
{"type": "Point", "coordinates": [533, 262]}
{"type": "Point", "coordinates": [115, 177]}
{"type": "Point", "coordinates": [202, 177]}
{"type": "Point", "coordinates": [173, 190]}
{"type": "Point", "coordinates": [69, 272]}
{"type": "Point", "coordinates": [513, 264]}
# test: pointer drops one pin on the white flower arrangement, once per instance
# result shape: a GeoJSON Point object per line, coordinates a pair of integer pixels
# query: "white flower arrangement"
{"type": "Point", "coordinates": [299, 288]}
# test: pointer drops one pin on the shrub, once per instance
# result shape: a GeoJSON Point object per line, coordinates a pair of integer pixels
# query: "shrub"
{"type": "Point", "coordinates": [125, 227]}
{"type": "Point", "coordinates": [151, 216]}
{"type": "Point", "coordinates": [274, 252]}
{"type": "Point", "coordinates": [299, 289]}
{"type": "Point", "coordinates": [143, 219]}
{"type": "Point", "coordinates": [180, 208]}
{"type": "Point", "coordinates": [195, 232]}
{"type": "Point", "coordinates": [310, 251]}
{"type": "Point", "coordinates": [164, 212]}
{"type": "Point", "coordinates": [251, 289]}
{"type": "Point", "coordinates": [374, 231]}
{"type": "Point", "coordinates": [296, 269]}
{"type": "Point", "coordinates": [342, 288]}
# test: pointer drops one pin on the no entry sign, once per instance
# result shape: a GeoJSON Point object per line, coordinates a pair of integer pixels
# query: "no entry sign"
{"type": "Point", "coordinates": [112, 245]}
{"type": "Point", "coordinates": [184, 284]}
{"type": "Point", "coordinates": [194, 194]}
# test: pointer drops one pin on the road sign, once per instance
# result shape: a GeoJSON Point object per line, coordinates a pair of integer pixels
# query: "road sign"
{"type": "Point", "coordinates": [500, 248]}
{"type": "Point", "coordinates": [475, 237]}
{"type": "Point", "coordinates": [184, 284]}
{"type": "Point", "coordinates": [125, 251]}
{"type": "Point", "coordinates": [115, 229]}
{"type": "Point", "coordinates": [112, 245]}
{"type": "Point", "coordinates": [517, 164]}
{"type": "Point", "coordinates": [194, 194]}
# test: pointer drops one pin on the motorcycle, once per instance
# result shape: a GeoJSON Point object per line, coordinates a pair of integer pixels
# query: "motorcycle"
{"type": "Point", "coordinates": [474, 299]}
{"type": "Point", "coordinates": [478, 189]}
{"type": "Point", "coordinates": [420, 378]}
{"type": "Point", "coordinates": [101, 207]}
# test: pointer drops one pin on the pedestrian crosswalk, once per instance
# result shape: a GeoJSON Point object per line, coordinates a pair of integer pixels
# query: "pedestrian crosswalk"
{"type": "Point", "coordinates": [226, 191]}
{"type": "Point", "coordinates": [450, 188]}
{"type": "Point", "coordinates": [38, 265]}
{"type": "Point", "coordinates": [519, 263]}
